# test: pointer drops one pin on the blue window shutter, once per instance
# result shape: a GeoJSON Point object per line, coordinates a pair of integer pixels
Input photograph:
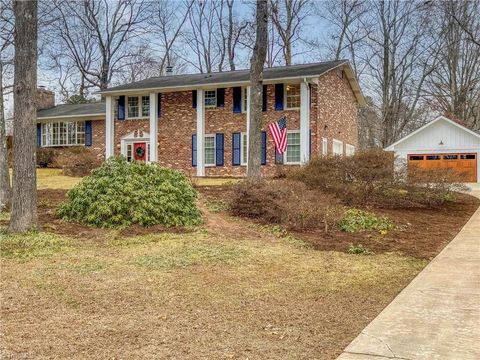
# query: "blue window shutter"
{"type": "Point", "coordinates": [278, 158]}
{"type": "Point", "coordinates": [219, 146]}
{"type": "Point", "coordinates": [39, 134]}
{"type": "Point", "coordinates": [236, 143]}
{"type": "Point", "coordinates": [121, 107]}
{"type": "Point", "coordinates": [237, 99]}
{"type": "Point", "coordinates": [88, 133]}
{"type": "Point", "coordinates": [194, 150]}
{"type": "Point", "coordinates": [264, 98]}
{"type": "Point", "coordinates": [159, 104]}
{"type": "Point", "coordinates": [264, 147]}
{"type": "Point", "coordinates": [194, 99]}
{"type": "Point", "coordinates": [310, 143]}
{"type": "Point", "coordinates": [278, 97]}
{"type": "Point", "coordinates": [221, 97]}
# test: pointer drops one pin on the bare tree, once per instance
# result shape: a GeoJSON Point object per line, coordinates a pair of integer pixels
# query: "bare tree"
{"type": "Point", "coordinates": [350, 29]}
{"type": "Point", "coordinates": [256, 85]}
{"type": "Point", "coordinates": [288, 16]}
{"type": "Point", "coordinates": [96, 34]}
{"type": "Point", "coordinates": [24, 199]}
{"type": "Point", "coordinates": [399, 59]}
{"type": "Point", "coordinates": [168, 23]}
{"type": "Point", "coordinates": [454, 84]}
{"type": "Point", "coordinates": [6, 35]}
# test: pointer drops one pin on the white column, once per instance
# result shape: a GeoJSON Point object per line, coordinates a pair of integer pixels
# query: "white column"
{"type": "Point", "coordinates": [304, 123]}
{"type": "Point", "coordinates": [153, 128]}
{"type": "Point", "coordinates": [249, 92]}
{"type": "Point", "coordinates": [200, 133]}
{"type": "Point", "coordinates": [109, 128]}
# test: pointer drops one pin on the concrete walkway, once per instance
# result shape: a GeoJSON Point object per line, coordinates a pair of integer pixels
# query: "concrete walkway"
{"type": "Point", "coordinates": [437, 316]}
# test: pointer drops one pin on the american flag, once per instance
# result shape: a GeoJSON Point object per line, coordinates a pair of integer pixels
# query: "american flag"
{"type": "Point", "coordinates": [278, 130]}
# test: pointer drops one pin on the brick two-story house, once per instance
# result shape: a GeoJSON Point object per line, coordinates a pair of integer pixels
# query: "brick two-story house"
{"type": "Point", "coordinates": [198, 123]}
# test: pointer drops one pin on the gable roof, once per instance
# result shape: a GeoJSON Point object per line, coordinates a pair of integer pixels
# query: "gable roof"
{"type": "Point", "coordinates": [240, 77]}
{"type": "Point", "coordinates": [73, 110]}
{"type": "Point", "coordinates": [440, 118]}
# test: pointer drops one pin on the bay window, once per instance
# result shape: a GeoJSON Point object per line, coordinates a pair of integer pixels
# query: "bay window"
{"type": "Point", "coordinates": [63, 133]}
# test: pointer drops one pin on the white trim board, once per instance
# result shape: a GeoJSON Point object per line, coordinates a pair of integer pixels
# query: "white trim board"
{"type": "Point", "coordinates": [392, 147]}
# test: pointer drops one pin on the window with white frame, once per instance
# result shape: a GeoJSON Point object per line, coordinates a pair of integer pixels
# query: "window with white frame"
{"type": "Point", "coordinates": [244, 99]}
{"type": "Point", "coordinates": [244, 149]}
{"type": "Point", "coordinates": [63, 133]}
{"type": "Point", "coordinates": [292, 155]}
{"type": "Point", "coordinates": [145, 106]}
{"type": "Point", "coordinates": [138, 106]}
{"type": "Point", "coordinates": [209, 145]}
{"type": "Point", "coordinates": [349, 150]}
{"type": "Point", "coordinates": [324, 146]}
{"type": "Point", "coordinates": [210, 98]}
{"type": "Point", "coordinates": [292, 96]}
{"type": "Point", "coordinates": [337, 147]}
{"type": "Point", "coordinates": [132, 107]}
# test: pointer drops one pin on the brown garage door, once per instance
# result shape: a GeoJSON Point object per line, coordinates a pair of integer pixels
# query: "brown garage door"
{"type": "Point", "coordinates": [464, 163]}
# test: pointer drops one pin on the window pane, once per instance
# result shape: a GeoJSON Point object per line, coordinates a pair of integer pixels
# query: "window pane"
{"type": "Point", "coordinates": [145, 106]}
{"type": "Point", "coordinates": [209, 150]}
{"type": "Point", "coordinates": [210, 98]}
{"type": "Point", "coordinates": [132, 107]}
{"type": "Point", "coordinates": [467, 156]}
{"type": "Point", "coordinates": [71, 129]}
{"type": "Point", "coordinates": [416, 157]}
{"type": "Point", "coordinates": [433, 157]}
{"type": "Point", "coordinates": [450, 157]}
{"type": "Point", "coordinates": [245, 99]}
{"type": "Point", "coordinates": [293, 147]}
{"type": "Point", "coordinates": [293, 96]}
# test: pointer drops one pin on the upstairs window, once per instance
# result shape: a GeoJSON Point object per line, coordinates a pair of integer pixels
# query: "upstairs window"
{"type": "Point", "coordinates": [138, 106]}
{"type": "Point", "coordinates": [145, 106]}
{"type": "Point", "coordinates": [244, 99]}
{"type": "Point", "coordinates": [210, 98]}
{"type": "Point", "coordinates": [292, 96]}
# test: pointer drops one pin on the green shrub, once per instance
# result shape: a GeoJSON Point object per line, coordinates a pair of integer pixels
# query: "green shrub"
{"type": "Point", "coordinates": [120, 193]}
{"type": "Point", "coordinates": [359, 249]}
{"type": "Point", "coordinates": [355, 220]}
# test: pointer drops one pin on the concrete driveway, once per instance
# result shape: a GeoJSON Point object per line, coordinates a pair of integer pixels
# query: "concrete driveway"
{"type": "Point", "coordinates": [437, 316]}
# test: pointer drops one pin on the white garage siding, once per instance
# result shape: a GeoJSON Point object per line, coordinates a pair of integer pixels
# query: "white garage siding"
{"type": "Point", "coordinates": [442, 135]}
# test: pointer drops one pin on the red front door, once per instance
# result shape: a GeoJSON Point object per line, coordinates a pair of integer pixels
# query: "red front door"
{"type": "Point", "coordinates": [140, 151]}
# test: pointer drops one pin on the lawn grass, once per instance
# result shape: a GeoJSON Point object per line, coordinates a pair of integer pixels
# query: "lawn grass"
{"type": "Point", "coordinates": [188, 296]}
{"type": "Point", "coordinates": [226, 290]}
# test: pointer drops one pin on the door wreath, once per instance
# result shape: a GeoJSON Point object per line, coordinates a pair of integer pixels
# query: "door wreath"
{"type": "Point", "coordinates": [140, 151]}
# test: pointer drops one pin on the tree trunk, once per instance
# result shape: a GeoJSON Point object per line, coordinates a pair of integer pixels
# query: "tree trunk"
{"type": "Point", "coordinates": [5, 190]}
{"type": "Point", "coordinates": [24, 200]}
{"type": "Point", "coordinates": [256, 85]}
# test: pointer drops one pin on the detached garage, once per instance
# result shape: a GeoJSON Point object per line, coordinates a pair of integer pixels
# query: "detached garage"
{"type": "Point", "coordinates": [442, 143]}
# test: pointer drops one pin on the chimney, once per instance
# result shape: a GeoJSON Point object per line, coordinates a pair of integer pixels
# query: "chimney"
{"type": "Point", "coordinates": [169, 70]}
{"type": "Point", "coordinates": [45, 98]}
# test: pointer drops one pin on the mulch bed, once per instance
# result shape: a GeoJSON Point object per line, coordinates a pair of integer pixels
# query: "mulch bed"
{"type": "Point", "coordinates": [422, 233]}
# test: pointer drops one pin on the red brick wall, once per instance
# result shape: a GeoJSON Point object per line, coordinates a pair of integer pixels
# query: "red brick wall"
{"type": "Point", "coordinates": [333, 114]}
{"type": "Point", "coordinates": [337, 110]}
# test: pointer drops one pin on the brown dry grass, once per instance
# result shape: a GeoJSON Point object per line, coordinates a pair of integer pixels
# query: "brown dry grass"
{"type": "Point", "coordinates": [227, 290]}
{"type": "Point", "coordinates": [189, 296]}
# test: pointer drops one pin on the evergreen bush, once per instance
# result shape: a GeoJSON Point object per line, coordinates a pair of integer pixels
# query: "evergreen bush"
{"type": "Point", "coordinates": [120, 193]}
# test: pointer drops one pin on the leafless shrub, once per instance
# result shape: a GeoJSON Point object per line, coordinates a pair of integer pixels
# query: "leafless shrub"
{"type": "Point", "coordinates": [77, 161]}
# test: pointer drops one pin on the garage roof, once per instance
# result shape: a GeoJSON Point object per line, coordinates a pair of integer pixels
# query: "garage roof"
{"type": "Point", "coordinates": [440, 118]}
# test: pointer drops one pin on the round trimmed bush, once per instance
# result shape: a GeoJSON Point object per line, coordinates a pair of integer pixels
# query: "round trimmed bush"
{"type": "Point", "coordinates": [120, 193]}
